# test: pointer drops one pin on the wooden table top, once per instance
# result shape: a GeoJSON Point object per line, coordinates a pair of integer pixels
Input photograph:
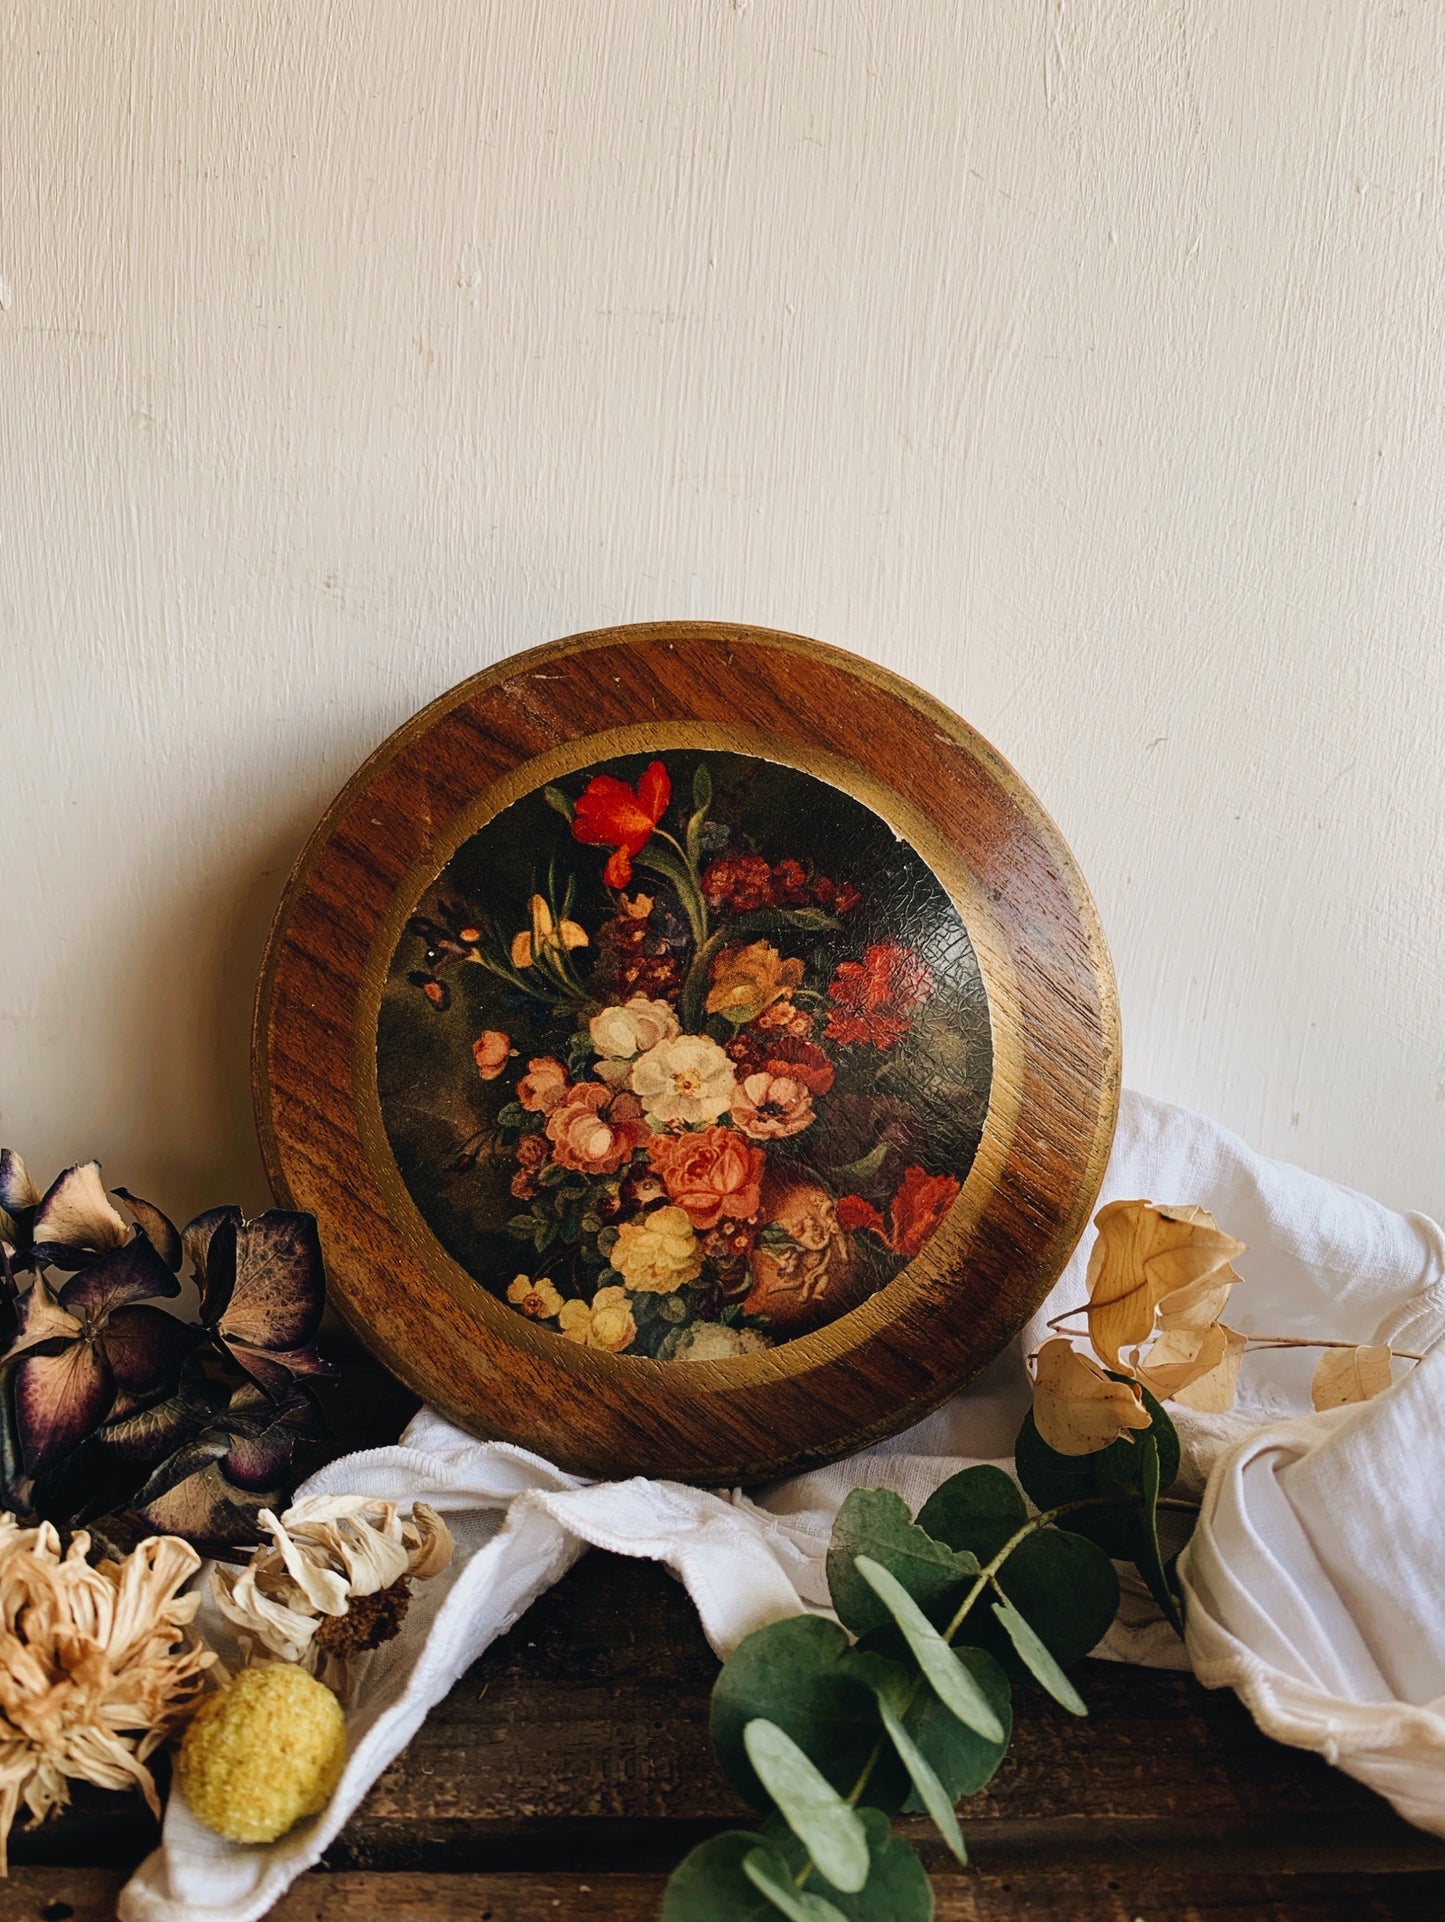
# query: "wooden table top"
{"type": "Point", "coordinates": [570, 1769]}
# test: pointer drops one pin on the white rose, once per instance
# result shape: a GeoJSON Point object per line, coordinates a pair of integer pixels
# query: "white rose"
{"type": "Point", "coordinates": [618, 1033]}
{"type": "Point", "coordinates": [687, 1079]}
{"type": "Point", "coordinates": [715, 1341]}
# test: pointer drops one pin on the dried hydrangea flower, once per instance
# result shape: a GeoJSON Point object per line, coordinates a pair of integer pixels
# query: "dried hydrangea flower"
{"type": "Point", "coordinates": [333, 1583]}
{"type": "Point", "coordinates": [96, 1666]}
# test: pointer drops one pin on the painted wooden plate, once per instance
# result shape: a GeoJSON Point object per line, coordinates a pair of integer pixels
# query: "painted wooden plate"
{"type": "Point", "coordinates": [697, 1046]}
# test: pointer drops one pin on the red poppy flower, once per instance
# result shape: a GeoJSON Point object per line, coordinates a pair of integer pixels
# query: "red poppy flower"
{"type": "Point", "coordinates": [915, 1211]}
{"type": "Point", "coordinates": [613, 814]}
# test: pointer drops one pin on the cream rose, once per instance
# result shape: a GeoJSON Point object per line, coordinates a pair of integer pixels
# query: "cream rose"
{"type": "Point", "coordinates": [687, 1079]}
{"type": "Point", "coordinates": [657, 1253]}
{"type": "Point", "coordinates": [618, 1033]}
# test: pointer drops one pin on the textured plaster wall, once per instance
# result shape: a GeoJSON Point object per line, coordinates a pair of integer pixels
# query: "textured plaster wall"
{"type": "Point", "coordinates": [1080, 360]}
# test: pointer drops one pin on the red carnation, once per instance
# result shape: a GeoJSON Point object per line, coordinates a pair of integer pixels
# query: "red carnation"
{"type": "Point", "coordinates": [875, 999]}
{"type": "Point", "coordinates": [613, 814]}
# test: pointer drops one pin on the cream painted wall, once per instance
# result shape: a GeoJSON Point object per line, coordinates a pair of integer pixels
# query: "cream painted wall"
{"type": "Point", "coordinates": [1080, 360]}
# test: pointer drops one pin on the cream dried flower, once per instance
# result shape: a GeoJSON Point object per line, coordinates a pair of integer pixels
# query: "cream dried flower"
{"type": "Point", "coordinates": [96, 1666]}
{"type": "Point", "coordinates": [333, 1583]}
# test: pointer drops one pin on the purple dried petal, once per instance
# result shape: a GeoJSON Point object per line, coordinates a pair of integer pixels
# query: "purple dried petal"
{"type": "Point", "coordinates": [196, 1239]}
{"type": "Point", "coordinates": [264, 1441]}
{"type": "Point", "coordinates": [280, 1286]}
{"type": "Point", "coordinates": [275, 1369]}
{"type": "Point", "coordinates": [208, 1511]}
{"type": "Point", "coordinates": [41, 1318]}
{"type": "Point", "coordinates": [132, 1273]}
{"type": "Point", "coordinates": [59, 1400]}
{"type": "Point", "coordinates": [17, 1186]}
{"type": "Point", "coordinates": [146, 1346]}
{"type": "Point", "coordinates": [164, 1236]}
{"type": "Point", "coordinates": [76, 1216]}
{"type": "Point", "coordinates": [143, 1434]}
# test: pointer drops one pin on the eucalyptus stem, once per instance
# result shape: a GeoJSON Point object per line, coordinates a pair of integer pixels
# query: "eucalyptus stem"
{"type": "Point", "coordinates": [986, 1576]}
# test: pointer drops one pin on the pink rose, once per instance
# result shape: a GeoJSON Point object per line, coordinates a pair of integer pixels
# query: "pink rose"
{"type": "Point", "coordinates": [543, 1085]}
{"type": "Point", "coordinates": [771, 1106]}
{"type": "Point", "coordinates": [718, 1172]}
{"type": "Point", "coordinates": [594, 1130]}
{"type": "Point", "coordinates": [491, 1053]}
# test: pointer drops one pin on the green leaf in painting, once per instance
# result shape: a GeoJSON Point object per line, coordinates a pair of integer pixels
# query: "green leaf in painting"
{"type": "Point", "coordinates": [897, 1890]}
{"type": "Point", "coordinates": [865, 1166]}
{"type": "Point", "coordinates": [813, 1809]}
{"type": "Point", "coordinates": [555, 798]}
{"type": "Point", "coordinates": [702, 788]}
{"type": "Point", "coordinates": [930, 1791]}
{"type": "Point", "coordinates": [770, 1879]}
{"type": "Point", "coordinates": [1037, 1659]}
{"type": "Point", "coordinates": [875, 1522]}
{"type": "Point", "coordinates": [801, 1674]}
{"type": "Point", "coordinates": [978, 1509]}
{"type": "Point", "coordinates": [950, 1681]}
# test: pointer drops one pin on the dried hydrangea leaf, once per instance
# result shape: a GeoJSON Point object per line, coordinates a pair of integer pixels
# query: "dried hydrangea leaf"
{"type": "Point", "coordinates": [1347, 1375]}
{"type": "Point", "coordinates": [1144, 1255]}
{"type": "Point", "coordinates": [1077, 1408]}
{"type": "Point", "coordinates": [128, 1274]}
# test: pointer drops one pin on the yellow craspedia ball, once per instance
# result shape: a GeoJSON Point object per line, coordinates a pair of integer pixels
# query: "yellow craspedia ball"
{"type": "Point", "coordinates": [262, 1753]}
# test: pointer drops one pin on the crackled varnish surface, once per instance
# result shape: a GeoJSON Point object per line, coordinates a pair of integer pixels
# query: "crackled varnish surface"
{"type": "Point", "coordinates": [847, 1107]}
{"type": "Point", "coordinates": [569, 1770]}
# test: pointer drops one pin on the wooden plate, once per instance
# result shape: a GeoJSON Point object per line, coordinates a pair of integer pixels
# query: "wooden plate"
{"type": "Point", "coordinates": [698, 1048]}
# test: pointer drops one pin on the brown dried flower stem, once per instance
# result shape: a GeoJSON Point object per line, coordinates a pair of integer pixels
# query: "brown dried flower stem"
{"type": "Point", "coordinates": [1057, 1323]}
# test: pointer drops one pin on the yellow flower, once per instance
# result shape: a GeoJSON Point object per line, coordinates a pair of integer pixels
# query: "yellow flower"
{"type": "Point", "coordinates": [537, 1299]}
{"type": "Point", "coordinates": [746, 980]}
{"type": "Point", "coordinates": [605, 1322]}
{"type": "Point", "coordinates": [657, 1253]}
{"type": "Point", "coordinates": [545, 933]}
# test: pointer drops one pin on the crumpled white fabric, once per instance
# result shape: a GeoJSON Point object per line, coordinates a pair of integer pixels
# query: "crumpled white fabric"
{"type": "Point", "coordinates": [1309, 1577]}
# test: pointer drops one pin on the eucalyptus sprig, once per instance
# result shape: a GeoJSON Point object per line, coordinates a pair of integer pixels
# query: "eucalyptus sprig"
{"type": "Point", "coordinates": [904, 1703]}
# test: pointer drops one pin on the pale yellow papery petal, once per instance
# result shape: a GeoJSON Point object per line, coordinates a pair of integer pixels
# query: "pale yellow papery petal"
{"type": "Point", "coordinates": [1077, 1409]}
{"type": "Point", "coordinates": [1143, 1255]}
{"type": "Point", "coordinates": [1197, 1367]}
{"type": "Point", "coordinates": [432, 1548]}
{"type": "Point", "coordinates": [1347, 1375]}
{"type": "Point", "coordinates": [322, 1586]}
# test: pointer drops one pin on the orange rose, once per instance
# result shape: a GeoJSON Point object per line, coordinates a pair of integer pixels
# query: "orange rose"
{"type": "Point", "coordinates": [718, 1172]}
{"type": "Point", "coordinates": [543, 1085]}
{"type": "Point", "coordinates": [594, 1130]}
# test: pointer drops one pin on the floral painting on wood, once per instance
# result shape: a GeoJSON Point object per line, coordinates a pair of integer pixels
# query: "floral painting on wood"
{"type": "Point", "coordinates": [684, 1055]}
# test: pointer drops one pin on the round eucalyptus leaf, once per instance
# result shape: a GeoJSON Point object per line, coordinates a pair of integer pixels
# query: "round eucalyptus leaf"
{"type": "Point", "coordinates": [709, 1884]}
{"type": "Point", "coordinates": [977, 1509]}
{"type": "Point", "coordinates": [796, 1673]}
{"type": "Point", "coordinates": [897, 1889]}
{"type": "Point", "coordinates": [1051, 1479]}
{"type": "Point", "coordinates": [876, 1523]}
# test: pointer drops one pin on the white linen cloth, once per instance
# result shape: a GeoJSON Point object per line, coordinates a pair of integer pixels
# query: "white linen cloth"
{"type": "Point", "coordinates": [1315, 1579]}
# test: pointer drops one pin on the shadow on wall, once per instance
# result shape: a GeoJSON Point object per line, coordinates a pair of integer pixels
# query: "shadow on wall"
{"type": "Point", "coordinates": [194, 981]}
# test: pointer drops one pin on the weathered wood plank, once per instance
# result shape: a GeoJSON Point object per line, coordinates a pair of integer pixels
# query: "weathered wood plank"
{"type": "Point", "coordinates": [1123, 1892]}
{"type": "Point", "coordinates": [584, 1733]}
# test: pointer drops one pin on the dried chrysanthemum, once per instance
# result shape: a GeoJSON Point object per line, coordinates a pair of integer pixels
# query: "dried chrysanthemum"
{"type": "Point", "coordinates": [96, 1666]}
{"type": "Point", "coordinates": [333, 1583]}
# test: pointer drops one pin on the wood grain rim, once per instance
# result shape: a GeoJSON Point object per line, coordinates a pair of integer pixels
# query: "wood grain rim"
{"type": "Point", "coordinates": [1051, 995]}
